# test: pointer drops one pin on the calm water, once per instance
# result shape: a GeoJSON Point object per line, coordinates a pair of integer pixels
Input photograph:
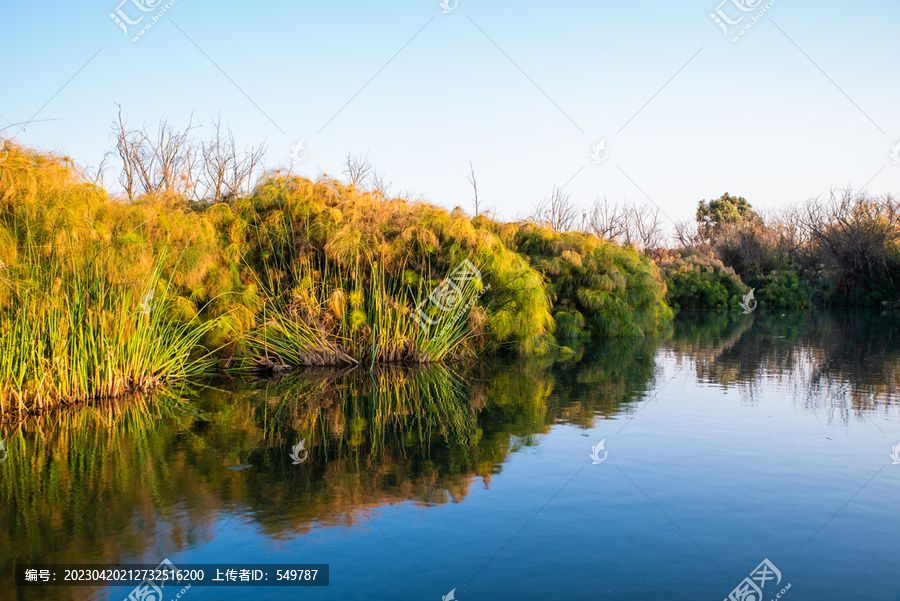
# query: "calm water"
{"type": "Point", "coordinates": [732, 440]}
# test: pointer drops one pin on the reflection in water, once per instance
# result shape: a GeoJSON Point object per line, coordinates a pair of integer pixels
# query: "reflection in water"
{"type": "Point", "coordinates": [843, 364]}
{"type": "Point", "coordinates": [146, 478]}
{"type": "Point", "coordinates": [142, 479]}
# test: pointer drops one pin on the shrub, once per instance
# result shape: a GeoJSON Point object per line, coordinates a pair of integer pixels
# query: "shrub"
{"type": "Point", "coordinates": [701, 282]}
{"type": "Point", "coordinates": [857, 240]}
{"type": "Point", "coordinates": [296, 272]}
{"type": "Point", "coordinates": [785, 290]}
{"type": "Point", "coordinates": [598, 289]}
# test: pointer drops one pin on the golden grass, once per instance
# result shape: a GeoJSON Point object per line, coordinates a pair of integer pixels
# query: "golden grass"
{"type": "Point", "coordinates": [298, 272]}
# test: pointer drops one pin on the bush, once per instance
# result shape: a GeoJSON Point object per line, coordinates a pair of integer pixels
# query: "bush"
{"type": "Point", "coordinates": [356, 268]}
{"type": "Point", "coordinates": [785, 290]}
{"type": "Point", "coordinates": [857, 241]}
{"type": "Point", "coordinates": [701, 282]}
{"type": "Point", "coordinates": [843, 251]}
{"type": "Point", "coordinates": [598, 289]}
{"type": "Point", "coordinates": [295, 272]}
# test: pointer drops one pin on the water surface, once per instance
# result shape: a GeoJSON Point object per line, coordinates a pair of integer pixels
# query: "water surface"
{"type": "Point", "coordinates": [731, 440]}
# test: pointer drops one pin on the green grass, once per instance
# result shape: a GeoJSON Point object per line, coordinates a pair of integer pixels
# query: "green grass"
{"type": "Point", "coordinates": [69, 334]}
{"type": "Point", "coordinates": [297, 273]}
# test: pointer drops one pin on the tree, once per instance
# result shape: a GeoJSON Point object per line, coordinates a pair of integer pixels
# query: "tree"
{"type": "Point", "coordinates": [357, 169]}
{"type": "Point", "coordinates": [714, 217]}
{"type": "Point", "coordinates": [558, 213]}
{"type": "Point", "coordinates": [173, 161]}
{"type": "Point", "coordinates": [637, 225]}
{"type": "Point", "coordinates": [474, 183]}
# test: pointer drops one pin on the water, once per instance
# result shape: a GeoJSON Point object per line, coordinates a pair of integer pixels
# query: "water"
{"type": "Point", "coordinates": [733, 440]}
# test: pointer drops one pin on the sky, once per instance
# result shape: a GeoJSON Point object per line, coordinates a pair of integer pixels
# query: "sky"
{"type": "Point", "coordinates": [677, 109]}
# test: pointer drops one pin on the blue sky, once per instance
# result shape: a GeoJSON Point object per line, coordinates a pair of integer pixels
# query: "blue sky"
{"type": "Point", "coordinates": [805, 101]}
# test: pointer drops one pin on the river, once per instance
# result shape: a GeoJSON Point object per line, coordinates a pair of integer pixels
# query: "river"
{"type": "Point", "coordinates": [746, 453]}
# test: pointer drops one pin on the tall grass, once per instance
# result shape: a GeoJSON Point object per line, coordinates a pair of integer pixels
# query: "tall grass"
{"type": "Point", "coordinates": [598, 289]}
{"type": "Point", "coordinates": [347, 272]}
{"type": "Point", "coordinates": [295, 273]}
{"type": "Point", "coordinates": [70, 334]}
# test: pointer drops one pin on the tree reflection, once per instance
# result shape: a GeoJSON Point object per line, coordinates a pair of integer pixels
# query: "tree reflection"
{"type": "Point", "coordinates": [140, 479]}
{"type": "Point", "coordinates": [845, 364]}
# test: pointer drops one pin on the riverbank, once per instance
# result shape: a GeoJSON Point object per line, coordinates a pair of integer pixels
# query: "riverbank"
{"type": "Point", "coordinates": [100, 295]}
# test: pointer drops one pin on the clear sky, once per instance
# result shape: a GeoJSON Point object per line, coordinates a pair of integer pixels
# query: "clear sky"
{"type": "Point", "coordinates": [806, 100]}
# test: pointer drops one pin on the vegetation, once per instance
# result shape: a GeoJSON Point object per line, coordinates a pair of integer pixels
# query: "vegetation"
{"type": "Point", "coordinates": [702, 282]}
{"type": "Point", "coordinates": [598, 289]}
{"type": "Point", "coordinates": [715, 217]}
{"type": "Point", "coordinates": [204, 262]}
{"type": "Point", "coordinates": [843, 251]}
{"type": "Point", "coordinates": [86, 309]}
{"type": "Point", "coordinates": [102, 295]}
{"type": "Point", "coordinates": [367, 280]}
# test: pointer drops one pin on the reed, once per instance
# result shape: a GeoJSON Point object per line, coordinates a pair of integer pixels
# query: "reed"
{"type": "Point", "coordinates": [295, 273]}
{"type": "Point", "coordinates": [70, 334]}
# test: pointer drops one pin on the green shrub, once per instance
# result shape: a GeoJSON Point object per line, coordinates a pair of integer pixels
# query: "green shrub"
{"type": "Point", "coordinates": [784, 290]}
{"type": "Point", "coordinates": [598, 289]}
{"type": "Point", "coordinates": [701, 282]}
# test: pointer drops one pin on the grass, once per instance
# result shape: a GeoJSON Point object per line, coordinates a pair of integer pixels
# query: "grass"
{"type": "Point", "coordinates": [100, 296]}
{"type": "Point", "coordinates": [69, 334]}
{"type": "Point", "coordinates": [598, 289]}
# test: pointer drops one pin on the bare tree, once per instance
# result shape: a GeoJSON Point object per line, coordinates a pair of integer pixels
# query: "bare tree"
{"type": "Point", "coordinates": [686, 234]}
{"type": "Point", "coordinates": [787, 224]}
{"type": "Point", "coordinates": [217, 156]}
{"type": "Point", "coordinates": [474, 183]}
{"type": "Point", "coordinates": [381, 188]}
{"type": "Point", "coordinates": [171, 161]}
{"type": "Point", "coordinates": [226, 172]}
{"type": "Point", "coordinates": [558, 213]}
{"type": "Point", "coordinates": [606, 220]}
{"type": "Point", "coordinates": [646, 223]}
{"type": "Point", "coordinates": [153, 164]}
{"type": "Point", "coordinates": [128, 142]}
{"type": "Point", "coordinates": [637, 225]}
{"type": "Point", "coordinates": [357, 169]}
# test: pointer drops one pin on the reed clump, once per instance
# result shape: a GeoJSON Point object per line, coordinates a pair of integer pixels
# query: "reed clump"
{"type": "Point", "coordinates": [101, 295]}
{"type": "Point", "coordinates": [362, 279]}
{"type": "Point", "coordinates": [599, 289]}
{"type": "Point", "coordinates": [89, 305]}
